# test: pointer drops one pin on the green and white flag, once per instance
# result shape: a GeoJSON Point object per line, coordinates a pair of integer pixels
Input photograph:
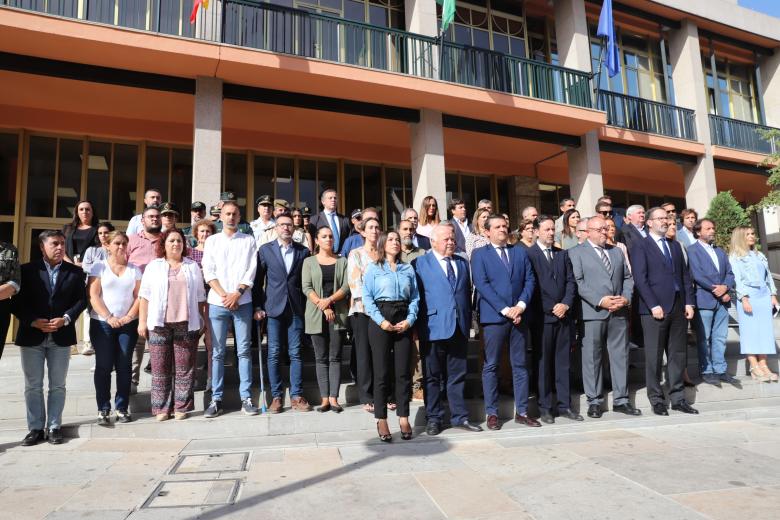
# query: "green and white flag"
{"type": "Point", "coordinates": [447, 13]}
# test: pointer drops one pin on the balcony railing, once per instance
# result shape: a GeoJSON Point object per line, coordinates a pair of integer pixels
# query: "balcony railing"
{"type": "Point", "coordinates": [741, 135]}
{"type": "Point", "coordinates": [645, 115]}
{"type": "Point", "coordinates": [270, 27]}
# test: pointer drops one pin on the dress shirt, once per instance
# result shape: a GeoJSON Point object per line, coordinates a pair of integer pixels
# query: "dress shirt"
{"type": "Point", "coordinates": [659, 241]}
{"type": "Point", "coordinates": [54, 272]}
{"type": "Point", "coordinates": [380, 283]}
{"type": "Point", "coordinates": [333, 216]}
{"type": "Point", "coordinates": [141, 249]}
{"type": "Point", "coordinates": [352, 242]}
{"type": "Point", "coordinates": [545, 249]}
{"type": "Point", "coordinates": [134, 226]}
{"type": "Point", "coordinates": [288, 255]}
{"type": "Point", "coordinates": [689, 234]}
{"type": "Point", "coordinates": [642, 230]}
{"type": "Point", "coordinates": [497, 249]}
{"type": "Point", "coordinates": [443, 263]}
{"type": "Point", "coordinates": [464, 227]}
{"type": "Point", "coordinates": [232, 260]}
{"type": "Point", "coordinates": [711, 251]}
{"type": "Point", "coordinates": [414, 240]}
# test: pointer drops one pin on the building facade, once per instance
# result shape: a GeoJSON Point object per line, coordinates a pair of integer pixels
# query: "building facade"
{"type": "Point", "coordinates": [106, 98]}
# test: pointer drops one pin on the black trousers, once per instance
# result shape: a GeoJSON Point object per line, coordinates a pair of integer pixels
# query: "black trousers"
{"type": "Point", "coordinates": [667, 335]}
{"type": "Point", "coordinates": [392, 354]}
{"type": "Point", "coordinates": [554, 365]}
{"type": "Point", "coordinates": [364, 371]}
{"type": "Point", "coordinates": [327, 355]}
{"type": "Point", "coordinates": [5, 321]}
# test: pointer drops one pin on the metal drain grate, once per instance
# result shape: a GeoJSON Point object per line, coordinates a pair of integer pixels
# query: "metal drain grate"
{"type": "Point", "coordinates": [193, 493]}
{"type": "Point", "coordinates": [211, 463]}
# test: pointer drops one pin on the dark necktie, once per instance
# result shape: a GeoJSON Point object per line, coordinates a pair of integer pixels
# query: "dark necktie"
{"type": "Point", "coordinates": [504, 257]}
{"type": "Point", "coordinates": [667, 253]}
{"type": "Point", "coordinates": [605, 259]}
{"type": "Point", "coordinates": [335, 228]}
{"type": "Point", "coordinates": [548, 254]}
{"type": "Point", "coordinates": [450, 272]}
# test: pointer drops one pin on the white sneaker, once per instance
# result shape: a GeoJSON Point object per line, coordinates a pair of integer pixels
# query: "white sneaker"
{"type": "Point", "coordinates": [86, 349]}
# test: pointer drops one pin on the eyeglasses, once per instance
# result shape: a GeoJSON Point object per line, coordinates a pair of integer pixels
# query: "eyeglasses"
{"type": "Point", "coordinates": [602, 229]}
{"type": "Point", "coordinates": [606, 213]}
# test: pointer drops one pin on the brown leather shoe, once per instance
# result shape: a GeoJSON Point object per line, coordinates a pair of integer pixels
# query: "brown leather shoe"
{"type": "Point", "coordinates": [528, 421]}
{"type": "Point", "coordinates": [492, 422]}
{"type": "Point", "coordinates": [276, 405]}
{"type": "Point", "coordinates": [300, 404]}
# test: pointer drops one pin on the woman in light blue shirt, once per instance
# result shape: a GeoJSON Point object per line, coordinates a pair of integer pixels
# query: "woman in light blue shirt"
{"type": "Point", "coordinates": [756, 298]}
{"type": "Point", "coordinates": [391, 301]}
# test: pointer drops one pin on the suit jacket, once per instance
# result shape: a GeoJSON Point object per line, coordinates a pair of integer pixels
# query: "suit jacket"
{"type": "Point", "coordinates": [423, 242]}
{"type": "Point", "coordinates": [274, 288]}
{"type": "Point", "coordinates": [554, 283]}
{"type": "Point", "coordinates": [498, 287]}
{"type": "Point", "coordinates": [441, 307]}
{"type": "Point", "coordinates": [593, 280]}
{"type": "Point", "coordinates": [631, 234]}
{"type": "Point", "coordinates": [37, 299]}
{"type": "Point", "coordinates": [460, 238]}
{"type": "Point", "coordinates": [655, 279]}
{"type": "Point", "coordinates": [705, 275]}
{"type": "Point", "coordinates": [320, 219]}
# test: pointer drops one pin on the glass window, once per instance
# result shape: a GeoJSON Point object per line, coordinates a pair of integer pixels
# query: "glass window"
{"type": "Point", "coordinates": [372, 188]}
{"type": "Point", "coordinates": [327, 177]}
{"type": "Point", "coordinates": [503, 195]}
{"type": "Point", "coordinates": [99, 177]}
{"type": "Point", "coordinates": [6, 235]}
{"type": "Point", "coordinates": [9, 160]}
{"type": "Point", "coordinates": [394, 196]}
{"type": "Point", "coordinates": [40, 176]}
{"type": "Point", "coordinates": [264, 179]}
{"type": "Point", "coordinates": [483, 189]}
{"type": "Point", "coordinates": [285, 181]}
{"type": "Point", "coordinates": [125, 172]}
{"type": "Point", "coordinates": [234, 177]}
{"type": "Point", "coordinates": [307, 182]}
{"type": "Point", "coordinates": [468, 193]}
{"type": "Point", "coordinates": [353, 182]}
{"type": "Point", "coordinates": [181, 181]}
{"type": "Point", "coordinates": [69, 177]}
{"type": "Point", "coordinates": [157, 166]}
{"type": "Point", "coordinates": [453, 191]}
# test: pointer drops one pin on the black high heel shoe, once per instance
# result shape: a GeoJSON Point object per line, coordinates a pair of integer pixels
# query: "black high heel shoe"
{"type": "Point", "coordinates": [383, 437]}
{"type": "Point", "coordinates": [405, 435]}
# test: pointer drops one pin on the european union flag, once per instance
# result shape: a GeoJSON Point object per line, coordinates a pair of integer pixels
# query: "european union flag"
{"type": "Point", "coordinates": [607, 29]}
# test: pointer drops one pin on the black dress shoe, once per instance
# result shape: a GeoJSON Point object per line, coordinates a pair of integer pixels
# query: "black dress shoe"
{"type": "Point", "coordinates": [594, 411]}
{"type": "Point", "coordinates": [626, 409]}
{"type": "Point", "coordinates": [55, 436]}
{"type": "Point", "coordinates": [465, 425]}
{"type": "Point", "coordinates": [571, 415]}
{"type": "Point", "coordinates": [711, 379]}
{"type": "Point", "coordinates": [660, 409]}
{"type": "Point", "coordinates": [527, 420]}
{"type": "Point", "coordinates": [33, 438]}
{"type": "Point", "coordinates": [493, 423]}
{"type": "Point", "coordinates": [433, 428]}
{"type": "Point", "coordinates": [684, 407]}
{"type": "Point", "coordinates": [547, 417]}
{"type": "Point", "coordinates": [728, 378]}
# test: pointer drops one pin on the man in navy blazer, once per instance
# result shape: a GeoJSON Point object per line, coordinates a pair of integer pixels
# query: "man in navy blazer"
{"type": "Point", "coordinates": [713, 279]}
{"type": "Point", "coordinates": [52, 295]}
{"type": "Point", "coordinates": [278, 296]}
{"type": "Point", "coordinates": [504, 281]}
{"type": "Point", "coordinates": [666, 301]}
{"type": "Point", "coordinates": [443, 326]}
{"type": "Point", "coordinates": [552, 304]}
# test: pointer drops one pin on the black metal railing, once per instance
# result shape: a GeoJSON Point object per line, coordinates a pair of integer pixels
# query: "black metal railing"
{"type": "Point", "coordinates": [742, 135]}
{"type": "Point", "coordinates": [645, 115]}
{"type": "Point", "coordinates": [260, 25]}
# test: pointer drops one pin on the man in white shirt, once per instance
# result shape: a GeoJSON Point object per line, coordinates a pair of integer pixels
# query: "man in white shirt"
{"type": "Point", "coordinates": [152, 197]}
{"type": "Point", "coordinates": [461, 223]}
{"type": "Point", "coordinates": [265, 220]}
{"type": "Point", "coordinates": [338, 223]}
{"type": "Point", "coordinates": [229, 267]}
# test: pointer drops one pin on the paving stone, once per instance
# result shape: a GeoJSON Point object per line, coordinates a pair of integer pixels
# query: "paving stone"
{"type": "Point", "coordinates": [767, 449]}
{"type": "Point", "coordinates": [506, 465]}
{"type": "Point", "coordinates": [22, 502]}
{"type": "Point", "coordinates": [49, 468]}
{"type": "Point", "coordinates": [254, 442]}
{"type": "Point", "coordinates": [722, 433]}
{"type": "Point", "coordinates": [477, 498]}
{"type": "Point", "coordinates": [112, 491]}
{"type": "Point", "coordinates": [728, 504]}
{"type": "Point", "coordinates": [133, 445]}
{"type": "Point", "coordinates": [101, 514]}
{"type": "Point", "coordinates": [376, 459]}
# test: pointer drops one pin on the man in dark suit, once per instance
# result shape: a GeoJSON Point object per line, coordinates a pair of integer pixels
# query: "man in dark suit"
{"type": "Point", "coordinates": [420, 241]}
{"type": "Point", "coordinates": [552, 303]}
{"type": "Point", "coordinates": [504, 281]}
{"type": "Point", "coordinates": [665, 303]}
{"type": "Point", "coordinates": [636, 228]}
{"type": "Point", "coordinates": [338, 223]}
{"type": "Point", "coordinates": [52, 296]}
{"type": "Point", "coordinates": [443, 326]}
{"type": "Point", "coordinates": [460, 224]}
{"type": "Point", "coordinates": [713, 279]}
{"type": "Point", "coordinates": [279, 265]}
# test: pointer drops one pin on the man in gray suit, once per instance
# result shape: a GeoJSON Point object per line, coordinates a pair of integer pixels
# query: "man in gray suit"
{"type": "Point", "coordinates": [605, 287]}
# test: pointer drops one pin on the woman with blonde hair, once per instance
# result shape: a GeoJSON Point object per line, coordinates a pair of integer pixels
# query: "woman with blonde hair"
{"type": "Point", "coordinates": [478, 238]}
{"type": "Point", "coordinates": [429, 216]}
{"type": "Point", "coordinates": [756, 299]}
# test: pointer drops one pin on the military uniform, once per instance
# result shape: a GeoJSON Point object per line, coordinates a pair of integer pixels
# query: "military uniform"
{"type": "Point", "coordinates": [10, 273]}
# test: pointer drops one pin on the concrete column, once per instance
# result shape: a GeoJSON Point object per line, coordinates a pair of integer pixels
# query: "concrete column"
{"type": "Point", "coordinates": [571, 33]}
{"type": "Point", "coordinates": [427, 145]}
{"type": "Point", "coordinates": [769, 67]}
{"type": "Point", "coordinates": [421, 19]}
{"type": "Point", "coordinates": [690, 92]}
{"type": "Point", "coordinates": [207, 140]}
{"type": "Point", "coordinates": [524, 192]}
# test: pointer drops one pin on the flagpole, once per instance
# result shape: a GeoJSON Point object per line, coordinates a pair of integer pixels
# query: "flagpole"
{"type": "Point", "coordinates": [597, 75]}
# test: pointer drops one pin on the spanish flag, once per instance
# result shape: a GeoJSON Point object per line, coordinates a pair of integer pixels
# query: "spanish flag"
{"type": "Point", "coordinates": [194, 13]}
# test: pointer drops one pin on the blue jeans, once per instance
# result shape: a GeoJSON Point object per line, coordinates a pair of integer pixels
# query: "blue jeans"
{"type": "Point", "coordinates": [220, 319]}
{"type": "Point", "coordinates": [712, 327]}
{"type": "Point", "coordinates": [113, 351]}
{"type": "Point", "coordinates": [285, 331]}
{"type": "Point", "coordinates": [56, 359]}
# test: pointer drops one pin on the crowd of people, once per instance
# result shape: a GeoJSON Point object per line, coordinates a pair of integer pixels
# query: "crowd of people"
{"type": "Point", "coordinates": [409, 300]}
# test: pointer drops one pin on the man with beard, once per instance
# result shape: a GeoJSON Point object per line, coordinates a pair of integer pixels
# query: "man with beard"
{"type": "Point", "coordinates": [408, 250]}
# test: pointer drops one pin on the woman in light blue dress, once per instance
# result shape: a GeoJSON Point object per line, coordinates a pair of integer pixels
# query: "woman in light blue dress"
{"type": "Point", "coordinates": [756, 298]}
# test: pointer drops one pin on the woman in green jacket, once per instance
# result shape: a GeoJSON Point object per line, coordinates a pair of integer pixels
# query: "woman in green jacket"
{"type": "Point", "coordinates": [326, 288]}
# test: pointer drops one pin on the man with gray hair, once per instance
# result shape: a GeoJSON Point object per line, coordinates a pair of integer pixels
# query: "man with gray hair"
{"type": "Point", "coordinates": [485, 204]}
{"type": "Point", "coordinates": [582, 230]}
{"type": "Point", "coordinates": [530, 213]}
{"type": "Point", "coordinates": [635, 229]}
{"type": "Point", "coordinates": [410, 215]}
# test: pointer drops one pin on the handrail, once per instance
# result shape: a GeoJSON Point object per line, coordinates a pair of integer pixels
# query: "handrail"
{"type": "Point", "coordinates": [742, 135]}
{"type": "Point", "coordinates": [646, 115]}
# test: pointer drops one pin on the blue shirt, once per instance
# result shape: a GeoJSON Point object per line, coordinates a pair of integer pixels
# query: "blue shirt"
{"type": "Point", "coordinates": [352, 242]}
{"type": "Point", "coordinates": [54, 272]}
{"type": "Point", "coordinates": [384, 284]}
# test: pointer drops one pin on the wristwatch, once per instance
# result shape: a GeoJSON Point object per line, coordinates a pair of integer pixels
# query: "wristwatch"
{"type": "Point", "coordinates": [67, 319]}
{"type": "Point", "coordinates": [241, 290]}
